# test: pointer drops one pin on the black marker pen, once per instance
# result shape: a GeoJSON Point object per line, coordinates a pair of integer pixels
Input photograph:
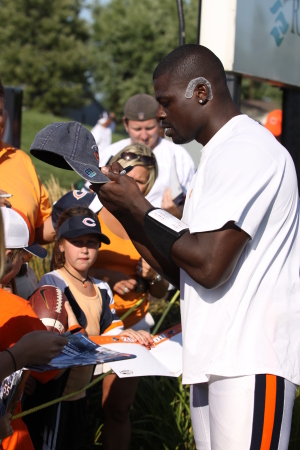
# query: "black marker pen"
{"type": "Point", "coordinates": [126, 170]}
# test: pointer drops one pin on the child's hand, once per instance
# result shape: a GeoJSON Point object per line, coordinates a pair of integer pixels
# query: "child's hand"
{"type": "Point", "coordinates": [71, 316]}
{"type": "Point", "coordinates": [144, 270]}
{"type": "Point", "coordinates": [141, 336]}
{"type": "Point", "coordinates": [168, 204]}
{"type": "Point", "coordinates": [121, 283]}
{"type": "Point", "coordinates": [5, 426]}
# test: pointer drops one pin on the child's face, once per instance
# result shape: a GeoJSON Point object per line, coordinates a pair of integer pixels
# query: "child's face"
{"type": "Point", "coordinates": [80, 252]}
{"type": "Point", "coordinates": [16, 265]}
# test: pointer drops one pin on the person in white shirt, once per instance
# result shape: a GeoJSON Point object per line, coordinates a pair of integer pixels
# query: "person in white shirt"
{"type": "Point", "coordinates": [235, 254]}
{"type": "Point", "coordinates": [143, 128]}
{"type": "Point", "coordinates": [103, 130]}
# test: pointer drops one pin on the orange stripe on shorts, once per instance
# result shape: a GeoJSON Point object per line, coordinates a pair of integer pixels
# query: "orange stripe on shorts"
{"type": "Point", "coordinates": [270, 403]}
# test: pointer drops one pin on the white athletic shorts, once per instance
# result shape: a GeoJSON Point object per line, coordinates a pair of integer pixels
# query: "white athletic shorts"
{"type": "Point", "coordinates": [242, 413]}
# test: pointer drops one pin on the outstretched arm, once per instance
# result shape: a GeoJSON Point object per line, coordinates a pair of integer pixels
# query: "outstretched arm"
{"type": "Point", "coordinates": [37, 347]}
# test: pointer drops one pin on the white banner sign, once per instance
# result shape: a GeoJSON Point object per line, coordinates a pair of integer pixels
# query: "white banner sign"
{"type": "Point", "coordinates": [260, 38]}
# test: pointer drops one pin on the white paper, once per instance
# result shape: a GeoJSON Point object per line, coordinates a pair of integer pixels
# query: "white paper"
{"type": "Point", "coordinates": [163, 359]}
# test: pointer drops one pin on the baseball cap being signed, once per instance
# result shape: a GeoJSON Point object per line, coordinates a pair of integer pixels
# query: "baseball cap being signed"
{"type": "Point", "coordinates": [69, 145]}
{"type": "Point", "coordinates": [141, 107]}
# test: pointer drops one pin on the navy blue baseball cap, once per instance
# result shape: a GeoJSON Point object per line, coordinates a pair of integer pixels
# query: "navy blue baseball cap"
{"type": "Point", "coordinates": [79, 226]}
{"type": "Point", "coordinates": [69, 145]}
{"type": "Point", "coordinates": [75, 198]}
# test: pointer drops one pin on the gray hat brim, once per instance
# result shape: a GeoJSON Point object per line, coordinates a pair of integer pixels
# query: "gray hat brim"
{"type": "Point", "coordinates": [87, 171]}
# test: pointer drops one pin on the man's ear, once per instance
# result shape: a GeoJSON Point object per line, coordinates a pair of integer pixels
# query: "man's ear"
{"type": "Point", "coordinates": [202, 93]}
{"type": "Point", "coordinates": [125, 122]}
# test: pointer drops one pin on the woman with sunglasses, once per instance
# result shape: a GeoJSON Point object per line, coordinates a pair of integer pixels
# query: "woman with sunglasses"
{"type": "Point", "coordinates": [130, 279]}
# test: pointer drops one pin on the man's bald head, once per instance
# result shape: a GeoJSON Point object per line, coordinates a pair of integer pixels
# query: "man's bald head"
{"type": "Point", "coordinates": [191, 89]}
{"type": "Point", "coordinates": [192, 61]}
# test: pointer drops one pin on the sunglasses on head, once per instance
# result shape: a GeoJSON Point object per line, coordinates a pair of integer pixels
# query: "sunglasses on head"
{"type": "Point", "coordinates": [147, 160]}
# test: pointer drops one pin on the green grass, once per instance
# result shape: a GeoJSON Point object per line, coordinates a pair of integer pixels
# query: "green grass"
{"type": "Point", "coordinates": [32, 122]}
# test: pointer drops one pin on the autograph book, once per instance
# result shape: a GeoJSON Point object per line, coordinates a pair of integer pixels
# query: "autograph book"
{"type": "Point", "coordinates": [163, 358]}
{"type": "Point", "coordinates": [81, 351]}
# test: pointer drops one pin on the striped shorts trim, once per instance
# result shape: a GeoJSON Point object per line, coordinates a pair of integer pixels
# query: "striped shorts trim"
{"type": "Point", "coordinates": [252, 412]}
{"type": "Point", "coordinates": [269, 400]}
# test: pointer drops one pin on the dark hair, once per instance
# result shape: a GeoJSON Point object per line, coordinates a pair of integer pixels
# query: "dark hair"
{"type": "Point", "coordinates": [58, 257]}
{"type": "Point", "coordinates": [192, 61]}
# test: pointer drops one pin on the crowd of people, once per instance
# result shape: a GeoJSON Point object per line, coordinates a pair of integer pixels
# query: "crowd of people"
{"type": "Point", "coordinates": [99, 270]}
{"type": "Point", "coordinates": [231, 243]}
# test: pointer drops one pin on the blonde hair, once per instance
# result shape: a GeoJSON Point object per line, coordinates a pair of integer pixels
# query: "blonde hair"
{"type": "Point", "coordinates": [2, 249]}
{"type": "Point", "coordinates": [139, 149]}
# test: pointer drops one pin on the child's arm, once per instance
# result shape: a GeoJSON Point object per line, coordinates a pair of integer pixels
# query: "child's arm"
{"type": "Point", "coordinates": [117, 280]}
{"type": "Point", "coordinates": [110, 324]}
{"type": "Point", "coordinates": [141, 336]}
{"type": "Point", "coordinates": [72, 320]}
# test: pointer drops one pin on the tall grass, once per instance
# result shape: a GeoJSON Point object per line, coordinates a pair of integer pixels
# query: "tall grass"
{"type": "Point", "coordinates": [161, 415]}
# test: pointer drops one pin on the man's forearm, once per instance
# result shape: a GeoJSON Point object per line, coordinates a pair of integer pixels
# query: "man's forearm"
{"type": "Point", "coordinates": [147, 250]}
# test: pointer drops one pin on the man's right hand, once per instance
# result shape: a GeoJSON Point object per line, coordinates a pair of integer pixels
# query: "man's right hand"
{"type": "Point", "coordinates": [122, 195]}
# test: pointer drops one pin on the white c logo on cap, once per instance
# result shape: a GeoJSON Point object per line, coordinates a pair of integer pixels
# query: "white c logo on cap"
{"type": "Point", "coordinates": [88, 221]}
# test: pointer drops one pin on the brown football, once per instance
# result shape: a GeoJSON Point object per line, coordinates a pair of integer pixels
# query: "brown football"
{"type": "Point", "coordinates": [48, 304]}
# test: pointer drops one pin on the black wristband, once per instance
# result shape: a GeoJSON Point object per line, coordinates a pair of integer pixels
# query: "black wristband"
{"type": "Point", "coordinates": [160, 233]}
{"type": "Point", "coordinates": [13, 358]}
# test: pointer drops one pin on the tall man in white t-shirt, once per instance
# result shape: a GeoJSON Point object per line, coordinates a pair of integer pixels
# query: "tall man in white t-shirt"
{"type": "Point", "coordinates": [235, 254]}
{"type": "Point", "coordinates": [173, 161]}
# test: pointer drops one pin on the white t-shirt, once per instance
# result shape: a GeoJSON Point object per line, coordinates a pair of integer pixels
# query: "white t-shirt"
{"type": "Point", "coordinates": [251, 323]}
{"type": "Point", "coordinates": [165, 152]}
{"type": "Point", "coordinates": [102, 134]}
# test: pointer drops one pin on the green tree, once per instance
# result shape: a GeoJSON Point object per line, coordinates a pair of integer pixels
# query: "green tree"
{"type": "Point", "coordinates": [44, 48]}
{"type": "Point", "coordinates": [130, 38]}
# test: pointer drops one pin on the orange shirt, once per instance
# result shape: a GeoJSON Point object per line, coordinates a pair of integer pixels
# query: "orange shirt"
{"type": "Point", "coordinates": [16, 319]}
{"type": "Point", "coordinates": [122, 256]}
{"type": "Point", "coordinates": [18, 177]}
